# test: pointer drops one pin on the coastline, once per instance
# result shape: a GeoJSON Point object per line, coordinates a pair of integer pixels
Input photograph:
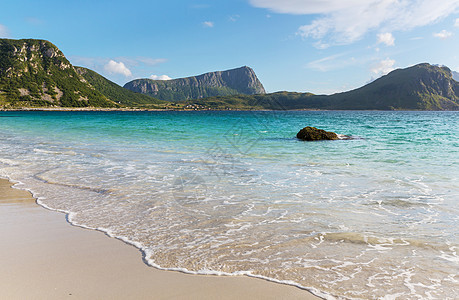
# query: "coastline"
{"type": "Point", "coordinates": [134, 109]}
{"type": "Point", "coordinates": [53, 259]}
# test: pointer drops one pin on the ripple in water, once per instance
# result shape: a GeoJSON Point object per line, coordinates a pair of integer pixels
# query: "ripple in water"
{"type": "Point", "coordinates": [360, 218]}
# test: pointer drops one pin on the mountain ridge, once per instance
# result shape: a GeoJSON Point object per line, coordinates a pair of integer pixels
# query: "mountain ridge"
{"type": "Point", "coordinates": [420, 87]}
{"type": "Point", "coordinates": [36, 73]}
{"type": "Point", "coordinates": [236, 81]}
{"type": "Point", "coordinates": [112, 90]}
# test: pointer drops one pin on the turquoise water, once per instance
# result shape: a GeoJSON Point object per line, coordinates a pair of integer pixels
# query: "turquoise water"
{"type": "Point", "coordinates": [375, 216]}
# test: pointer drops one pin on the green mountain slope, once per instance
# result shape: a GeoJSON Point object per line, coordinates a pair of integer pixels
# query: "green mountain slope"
{"type": "Point", "coordinates": [271, 101]}
{"type": "Point", "coordinates": [231, 82]}
{"type": "Point", "coordinates": [115, 92]}
{"type": "Point", "coordinates": [421, 87]}
{"type": "Point", "coordinates": [35, 73]}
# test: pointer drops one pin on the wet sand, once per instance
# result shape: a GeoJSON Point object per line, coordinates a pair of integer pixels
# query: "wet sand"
{"type": "Point", "coordinates": [44, 257]}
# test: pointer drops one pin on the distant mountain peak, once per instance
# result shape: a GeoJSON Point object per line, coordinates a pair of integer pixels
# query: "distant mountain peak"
{"type": "Point", "coordinates": [422, 86]}
{"type": "Point", "coordinates": [455, 75]}
{"type": "Point", "coordinates": [242, 80]}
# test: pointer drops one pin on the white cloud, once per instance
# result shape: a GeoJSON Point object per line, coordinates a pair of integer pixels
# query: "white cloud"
{"type": "Point", "coordinates": [321, 45]}
{"type": "Point", "coordinates": [344, 22]}
{"type": "Point", "coordinates": [303, 7]}
{"type": "Point", "coordinates": [234, 18]}
{"type": "Point", "coordinates": [114, 67]}
{"type": "Point", "coordinates": [208, 24]}
{"type": "Point", "coordinates": [456, 24]}
{"type": "Point", "coordinates": [386, 38]}
{"type": "Point", "coordinates": [443, 34]}
{"type": "Point", "coordinates": [324, 64]}
{"type": "Point", "coordinates": [4, 32]}
{"type": "Point", "coordinates": [383, 67]}
{"type": "Point", "coordinates": [160, 77]}
{"type": "Point", "coordinates": [332, 62]}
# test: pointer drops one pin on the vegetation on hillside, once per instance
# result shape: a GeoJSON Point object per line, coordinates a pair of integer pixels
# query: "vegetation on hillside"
{"type": "Point", "coordinates": [272, 101]}
{"type": "Point", "coordinates": [421, 87]}
{"type": "Point", "coordinates": [117, 93]}
{"type": "Point", "coordinates": [172, 91]}
{"type": "Point", "coordinates": [35, 73]}
{"type": "Point", "coordinates": [221, 83]}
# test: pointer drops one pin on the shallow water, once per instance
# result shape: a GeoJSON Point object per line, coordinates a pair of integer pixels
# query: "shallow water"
{"type": "Point", "coordinates": [235, 193]}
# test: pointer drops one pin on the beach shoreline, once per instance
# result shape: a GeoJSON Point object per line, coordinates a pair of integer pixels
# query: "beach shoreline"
{"type": "Point", "coordinates": [47, 258]}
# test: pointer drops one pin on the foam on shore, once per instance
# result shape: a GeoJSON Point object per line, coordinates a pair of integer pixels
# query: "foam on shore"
{"type": "Point", "coordinates": [55, 260]}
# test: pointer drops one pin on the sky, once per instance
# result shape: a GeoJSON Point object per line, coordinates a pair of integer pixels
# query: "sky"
{"type": "Point", "coordinates": [318, 46]}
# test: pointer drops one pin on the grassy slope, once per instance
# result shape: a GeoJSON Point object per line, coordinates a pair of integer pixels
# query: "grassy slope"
{"type": "Point", "coordinates": [421, 87]}
{"type": "Point", "coordinates": [273, 101]}
{"type": "Point", "coordinates": [117, 93]}
{"type": "Point", "coordinates": [35, 73]}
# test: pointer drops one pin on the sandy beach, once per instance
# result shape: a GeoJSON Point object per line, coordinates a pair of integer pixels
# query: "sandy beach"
{"type": "Point", "coordinates": [44, 257]}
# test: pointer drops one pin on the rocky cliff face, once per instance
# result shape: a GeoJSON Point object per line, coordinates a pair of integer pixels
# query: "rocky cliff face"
{"type": "Point", "coordinates": [437, 81]}
{"type": "Point", "coordinates": [222, 83]}
{"type": "Point", "coordinates": [36, 73]}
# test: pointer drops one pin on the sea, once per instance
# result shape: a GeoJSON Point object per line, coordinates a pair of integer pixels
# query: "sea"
{"type": "Point", "coordinates": [372, 216]}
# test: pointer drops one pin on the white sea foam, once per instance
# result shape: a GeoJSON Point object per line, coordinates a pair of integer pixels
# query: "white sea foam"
{"type": "Point", "coordinates": [325, 217]}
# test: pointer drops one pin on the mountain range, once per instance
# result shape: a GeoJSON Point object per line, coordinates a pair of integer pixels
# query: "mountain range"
{"type": "Point", "coordinates": [420, 87]}
{"type": "Point", "coordinates": [221, 83]}
{"type": "Point", "coordinates": [35, 73]}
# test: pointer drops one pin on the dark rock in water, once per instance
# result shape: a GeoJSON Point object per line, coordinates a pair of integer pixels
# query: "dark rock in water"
{"type": "Point", "coordinates": [314, 134]}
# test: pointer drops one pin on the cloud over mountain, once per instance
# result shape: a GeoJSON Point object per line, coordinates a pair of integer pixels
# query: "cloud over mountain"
{"type": "Point", "coordinates": [383, 67]}
{"type": "Point", "coordinates": [160, 77]}
{"type": "Point", "coordinates": [114, 67]}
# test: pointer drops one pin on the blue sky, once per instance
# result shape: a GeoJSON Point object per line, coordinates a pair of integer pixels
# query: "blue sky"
{"type": "Point", "coordinates": [319, 46]}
